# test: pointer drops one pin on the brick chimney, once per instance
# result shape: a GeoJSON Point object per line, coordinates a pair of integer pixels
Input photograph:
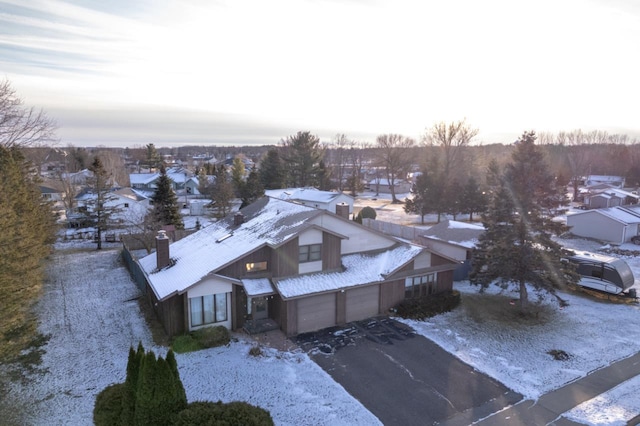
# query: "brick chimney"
{"type": "Point", "coordinates": [342, 209]}
{"type": "Point", "coordinates": [238, 219]}
{"type": "Point", "coordinates": [162, 249]}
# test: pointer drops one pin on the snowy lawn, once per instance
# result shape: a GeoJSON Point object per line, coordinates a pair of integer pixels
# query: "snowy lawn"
{"type": "Point", "coordinates": [89, 310]}
{"type": "Point", "coordinates": [91, 313]}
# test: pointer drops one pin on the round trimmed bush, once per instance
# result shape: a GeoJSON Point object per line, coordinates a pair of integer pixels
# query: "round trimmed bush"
{"type": "Point", "coordinates": [108, 406]}
{"type": "Point", "coordinates": [368, 213]}
{"type": "Point", "coordinates": [219, 414]}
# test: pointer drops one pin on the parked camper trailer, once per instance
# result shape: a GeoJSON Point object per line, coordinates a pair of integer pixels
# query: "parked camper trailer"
{"type": "Point", "coordinates": [603, 273]}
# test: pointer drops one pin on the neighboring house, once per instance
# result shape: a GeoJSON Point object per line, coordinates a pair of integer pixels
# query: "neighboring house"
{"type": "Point", "coordinates": [616, 225]}
{"type": "Point", "coordinates": [602, 196]}
{"type": "Point", "coordinates": [147, 181]}
{"type": "Point", "coordinates": [129, 207]}
{"type": "Point", "coordinates": [299, 267]}
{"type": "Point", "coordinates": [455, 240]}
{"type": "Point", "coordinates": [326, 200]}
{"type": "Point", "coordinates": [193, 184]}
{"type": "Point", "coordinates": [613, 181]}
{"type": "Point", "coordinates": [52, 190]}
{"type": "Point", "coordinates": [383, 185]}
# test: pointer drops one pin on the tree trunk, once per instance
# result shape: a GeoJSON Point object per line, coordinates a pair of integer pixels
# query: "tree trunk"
{"type": "Point", "coordinates": [524, 296]}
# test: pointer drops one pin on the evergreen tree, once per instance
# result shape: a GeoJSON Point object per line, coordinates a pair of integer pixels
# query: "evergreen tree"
{"type": "Point", "coordinates": [251, 189]}
{"type": "Point", "coordinates": [324, 177]}
{"type": "Point", "coordinates": [271, 170]}
{"type": "Point", "coordinates": [473, 199]}
{"type": "Point", "coordinates": [28, 230]}
{"type": "Point", "coordinates": [517, 247]}
{"type": "Point", "coordinates": [203, 181]}
{"type": "Point", "coordinates": [222, 191]}
{"type": "Point", "coordinates": [237, 176]}
{"type": "Point", "coordinates": [420, 203]}
{"type": "Point", "coordinates": [453, 199]}
{"type": "Point", "coordinates": [173, 364]}
{"type": "Point", "coordinates": [97, 206]}
{"type": "Point", "coordinates": [153, 159]}
{"type": "Point", "coordinates": [145, 405]}
{"type": "Point", "coordinates": [131, 385]}
{"type": "Point", "coordinates": [165, 203]}
{"type": "Point", "coordinates": [302, 159]}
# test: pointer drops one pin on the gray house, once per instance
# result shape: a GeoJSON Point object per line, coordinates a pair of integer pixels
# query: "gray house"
{"type": "Point", "coordinates": [455, 240]}
{"type": "Point", "coordinates": [616, 225]}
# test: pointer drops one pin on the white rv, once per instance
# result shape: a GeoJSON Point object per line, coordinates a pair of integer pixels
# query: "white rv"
{"type": "Point", "coordinates": [600, 272]}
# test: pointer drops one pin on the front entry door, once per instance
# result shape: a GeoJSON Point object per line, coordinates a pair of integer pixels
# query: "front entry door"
{"type": "Point", "coordinates": [259, 308]}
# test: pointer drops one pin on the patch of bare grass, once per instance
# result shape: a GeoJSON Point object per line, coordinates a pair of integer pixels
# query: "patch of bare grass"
{"type": "Point", "coordinates": [504, 310]}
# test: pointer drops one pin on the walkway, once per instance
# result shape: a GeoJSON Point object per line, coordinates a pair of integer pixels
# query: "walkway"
{"type": "Point", "coordinates": [548, 409]}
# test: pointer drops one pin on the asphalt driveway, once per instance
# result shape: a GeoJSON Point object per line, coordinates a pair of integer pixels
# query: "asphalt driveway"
{"type": "Point", "coordinates": [401, 377]}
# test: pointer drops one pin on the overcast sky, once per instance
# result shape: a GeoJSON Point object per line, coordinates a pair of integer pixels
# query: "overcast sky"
{"type": "Point", "coordinates": [175, 72]}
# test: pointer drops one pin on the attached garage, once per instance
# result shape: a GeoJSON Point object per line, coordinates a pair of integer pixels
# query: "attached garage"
{"type": "Point", "coordinates": [316, 312]}
{"type": "Point", "coordinates": [362, 302]}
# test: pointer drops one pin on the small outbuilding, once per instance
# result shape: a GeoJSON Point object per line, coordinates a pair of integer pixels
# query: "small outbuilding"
{"type": "Point", "coordinates": [615, 225]}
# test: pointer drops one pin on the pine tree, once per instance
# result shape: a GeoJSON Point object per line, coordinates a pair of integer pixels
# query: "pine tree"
{"type": "Point", "coordinates": [302, 159]}
{"type": "Point", "coordinates": [251, 189]}
{"type": "Point", "coordinates": [28, 230]}
{"type": "Point", "coordinates": [271, 170]}
{"type": "Point", "coordinates": [517, 247]}
{"type": "Point", "coordinates": [97, 206]}
{"type": "Point", "coordinates": [473, 199]}
{"type": "Point", "coordinates": [222, 191]}
{"type": "Point", "coordinates": [237, 176]}
{"type": "Point", "coordinates": [173, 364]}
{"type": "Point", "coordinates": [165, 203]}
{"type": "Point", "coordinates": [145, 409]}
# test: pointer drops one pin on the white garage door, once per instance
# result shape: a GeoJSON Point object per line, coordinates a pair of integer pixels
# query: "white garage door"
{"type": "Point", "coordinates": [317, 312]}
{"type": "Point", "coordinates": [362, 303]}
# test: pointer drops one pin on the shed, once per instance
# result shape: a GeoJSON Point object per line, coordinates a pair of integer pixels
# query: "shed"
{"type": "Point", "coordinates": [616, 225]}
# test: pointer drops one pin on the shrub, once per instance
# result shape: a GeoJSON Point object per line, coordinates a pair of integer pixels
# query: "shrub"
{"type": "Point", "coordinates": [210, 337]}
{"type": "Point", "coordinates": [207, 337]}
{"type": "Point", "coordinates": [428, 306]}
{"type": "Point", "coordinates": [368, 213]}
{"type": "Point", "coordinates": [108, 406]}
{"type": "Point", "coordinates": [217, 413]}
{"type": "Point", "coordinates": [185, 343]}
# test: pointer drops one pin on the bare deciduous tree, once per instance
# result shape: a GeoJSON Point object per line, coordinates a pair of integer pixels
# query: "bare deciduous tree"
{"type": "Point", "coordinates": [451, 138]}
{"type": "Point", "coordinates": [21, 126]}
{"type": "Point", "coordinates": [395, 156]}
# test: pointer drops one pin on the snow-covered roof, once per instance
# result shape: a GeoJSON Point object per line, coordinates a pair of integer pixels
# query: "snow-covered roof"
{"type": "Point", "coordinates": [268, 221]}
{"type": "Point", "coordinates": [617, 213]}
{"type": "Point", "coordinates": [131, 194]}
{"type": "Point", "coordinates": [305, 194]}
{"type": "Point", "coordinates": [257, 287]}
{"type": "Point", "coordinates": [456, 233]}
{"type": "Point", "coordinates": [147, 178]}
{"type": "Point", "coordinates": [359, 269]}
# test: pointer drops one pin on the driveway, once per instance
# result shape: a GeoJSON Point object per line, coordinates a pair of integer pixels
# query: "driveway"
{"type": "Point", "coordinates": [401, 377]}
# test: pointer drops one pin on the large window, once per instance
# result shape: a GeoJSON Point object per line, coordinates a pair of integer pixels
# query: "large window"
{"type": "Point", "coordinates": [208, 309]}
{"type": "Point", "coordinates": [419, 286]}
{"type": "Point", "coordinates": [309, 253]}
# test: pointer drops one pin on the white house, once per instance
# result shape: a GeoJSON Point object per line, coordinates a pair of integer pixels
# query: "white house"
{"type": "Point", "coordinates": [615, 225]}
{"type": "Point", "coordinates": [383, 185]}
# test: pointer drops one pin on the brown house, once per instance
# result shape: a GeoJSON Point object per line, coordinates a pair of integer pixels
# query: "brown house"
{"type": "Point", "coordinates": [296, 266]}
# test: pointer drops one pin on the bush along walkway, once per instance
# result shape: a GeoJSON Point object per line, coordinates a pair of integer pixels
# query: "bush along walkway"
{"type": "Point", "coordinates": [548, 409]}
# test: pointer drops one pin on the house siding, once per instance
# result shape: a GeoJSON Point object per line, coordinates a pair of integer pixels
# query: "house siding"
{"type": "Point", "coordinates": [239, 270]}
{"type": "Point", "coordinates": [595, 225]}
{"type": "Point", "coordinates": [331, 247]}
{"type": "Point", "coordinates": [285, 259]}
{"type": "Point", "coordinates": [170, 312]}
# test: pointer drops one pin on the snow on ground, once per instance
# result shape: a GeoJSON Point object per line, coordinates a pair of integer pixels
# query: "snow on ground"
{"type": "Point", "coordinates": [91, 312]}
